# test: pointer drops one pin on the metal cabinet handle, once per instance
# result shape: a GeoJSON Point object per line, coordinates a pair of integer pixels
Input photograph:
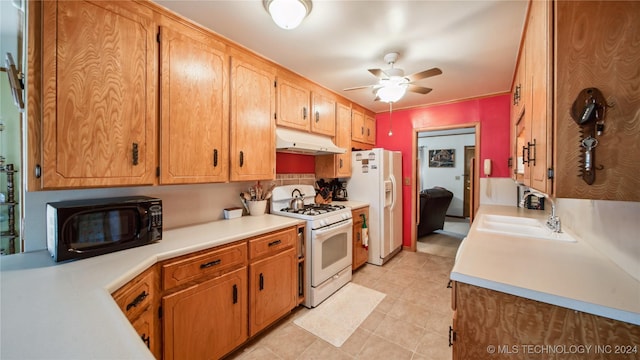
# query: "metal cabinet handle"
{"type": "Point", "coordinates": [143, 295]}
{"type": "Point", "coordinates": [210, 264]}
{"type": "Point", "coordinates": [146, 339]}
{"type": "Point", "coordinates": [235, 293]}
{"type": "Point", "coordinates": [261, 285]}
{"type": "Point", "coordinates": [304, 113]}
{"type": "Point", "coordinates": [134, 153]}
{"type": "Point", "coordinates": [317, 116]}
{"type": "Point", "coordinates": [340, 163]}
{"type": "Point", "coordinates": [452, 336]}
{"type": "Point", "coordinates": [274, 243]}
{"type": "Point", "coordinates": [215, 157]}
{"type": "Point", "coordinates": [241, 158]}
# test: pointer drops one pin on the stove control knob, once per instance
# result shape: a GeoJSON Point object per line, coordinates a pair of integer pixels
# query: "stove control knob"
{"type": "Point", "coordinates": [344, 217]}
{"type": "Point", "coordinates": [323, 223]}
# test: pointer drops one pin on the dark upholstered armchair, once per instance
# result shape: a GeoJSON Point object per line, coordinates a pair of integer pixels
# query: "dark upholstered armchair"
{"type": "Point", "coordinates": [434, 203]}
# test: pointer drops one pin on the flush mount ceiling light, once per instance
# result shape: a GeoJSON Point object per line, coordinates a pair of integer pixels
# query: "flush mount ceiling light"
{"type": "Point", "coordinates": [287, 14]}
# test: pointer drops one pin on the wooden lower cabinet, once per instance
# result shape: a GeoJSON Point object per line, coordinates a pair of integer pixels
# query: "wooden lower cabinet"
{"type": "Point", "coordinates": [273, 289]}
{"type": "Point", "coordinates": [360, 253]}
{"type": "Point", "coordinates": [493, 325]}
{"type": "Point", "coordinates": [138, 301]}
{"type": "Point", "coordinates": [206, 320]}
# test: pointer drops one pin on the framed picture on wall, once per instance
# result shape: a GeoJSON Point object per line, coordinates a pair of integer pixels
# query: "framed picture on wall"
{"type": "Point", "coordinates": [442, 158]}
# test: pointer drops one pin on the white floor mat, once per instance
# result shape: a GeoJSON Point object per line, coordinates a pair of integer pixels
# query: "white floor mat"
{"type": "Point", "coordinates": [339, 316]}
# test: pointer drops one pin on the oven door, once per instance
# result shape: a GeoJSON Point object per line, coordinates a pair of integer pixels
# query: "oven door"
{"type": "Point", "coordinates": [331, 249]}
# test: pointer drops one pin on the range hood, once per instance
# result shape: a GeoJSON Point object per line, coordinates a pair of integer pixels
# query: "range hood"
{"type": "Point", "coordinates": [299, 142]}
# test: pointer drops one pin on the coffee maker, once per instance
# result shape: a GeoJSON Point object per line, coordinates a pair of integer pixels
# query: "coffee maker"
{"type": "Point", "coordinates": [340, 191]}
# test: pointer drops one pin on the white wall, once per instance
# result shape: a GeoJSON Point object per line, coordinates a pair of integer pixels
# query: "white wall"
{"type": "Point", "coordinates": [612, 227]}
{"type": "Point", "coordinates": [450, 178]}
{"type": "Point", "coordinates": [498, 191]}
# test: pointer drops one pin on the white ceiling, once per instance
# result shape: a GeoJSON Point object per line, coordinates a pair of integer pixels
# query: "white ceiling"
{"type": "Point", "coordinates": [474, 43]}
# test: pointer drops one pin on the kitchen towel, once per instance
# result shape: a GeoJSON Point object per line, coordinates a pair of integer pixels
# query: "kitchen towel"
{"type": "Point", "coordinates": [339, 316]}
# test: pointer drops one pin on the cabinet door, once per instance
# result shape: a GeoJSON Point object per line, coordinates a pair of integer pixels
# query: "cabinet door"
{"type": "Point", "coordinates": [370, 128]}
{"type": "Point", "coordinates": [273, 289]}
{"type": "Point", "coordinates": [207, 320]}
{"type": "Point", "coordinates": [145, 327]}
{"type": "Point", "coordinates": [541, 85]}
{"type": "Point", "coordinates": [343, 140]}
{"type": "Point", "coordinates": [324, 114]}
{"type": "Point", "coordinates": [99, 91]}
{"type": "Point", "coordinates": [338, 166]}
{"type": "Point", "coordinates": [252, 126]}
{"type": "Point", "coordinates": [357, 126]}
{"type": "Point", "coordinates": [194, 113]}
{"type": "Point", "coordinates": [293, 104]}
{"type": "Point", "coordinates": [360, 253]}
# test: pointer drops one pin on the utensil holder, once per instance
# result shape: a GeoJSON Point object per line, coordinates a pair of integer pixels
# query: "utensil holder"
{"type": "Point", "coordinates": [257, 207]}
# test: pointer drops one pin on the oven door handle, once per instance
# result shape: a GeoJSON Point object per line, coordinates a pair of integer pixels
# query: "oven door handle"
{"type": "Point", "coordinates": [333, 228]}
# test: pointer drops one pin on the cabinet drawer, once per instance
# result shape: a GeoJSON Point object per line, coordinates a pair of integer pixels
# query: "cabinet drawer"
{"type": "Point", "coordinates": [272, 243]}
{"type": "Point", "coordinates": [209, 263]}
{"type": "Point", "coordinates": [136, 295]}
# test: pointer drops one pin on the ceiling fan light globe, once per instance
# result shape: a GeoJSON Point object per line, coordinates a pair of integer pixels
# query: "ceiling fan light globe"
{"type": "Point", "coordinates": [288, 14]}
{"type": "Point", "coordinates": [391, 93]}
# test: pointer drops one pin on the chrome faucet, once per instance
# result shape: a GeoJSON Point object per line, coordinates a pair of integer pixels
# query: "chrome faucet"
{"type": "Point", "coordinates": [553, 222]}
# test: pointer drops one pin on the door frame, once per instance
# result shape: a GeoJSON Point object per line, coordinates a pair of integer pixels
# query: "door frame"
{"type": "Point", "coordinates": [467, 203]}
{"type": "Point", "coordinates": [414, 175]}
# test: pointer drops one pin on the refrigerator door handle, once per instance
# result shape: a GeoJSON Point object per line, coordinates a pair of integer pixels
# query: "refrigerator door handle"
{"type": "Point", "coordinates": [393, 192]}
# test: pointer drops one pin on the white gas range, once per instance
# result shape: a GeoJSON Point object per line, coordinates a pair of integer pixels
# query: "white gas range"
{"type": "Point", "coordinates": [328, 241]}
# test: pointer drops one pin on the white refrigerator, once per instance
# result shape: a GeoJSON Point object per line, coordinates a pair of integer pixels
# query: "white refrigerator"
{"type": "Point", "coordinates": [377, 179]}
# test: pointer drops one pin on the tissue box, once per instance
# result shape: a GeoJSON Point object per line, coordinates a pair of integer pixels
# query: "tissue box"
{"type": "Point", "coordinates": [232, 213]}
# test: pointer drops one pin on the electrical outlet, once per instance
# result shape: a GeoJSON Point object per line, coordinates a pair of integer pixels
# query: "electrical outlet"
{"type": "Point", "coordinates": [457, 177]}
{"type": "Point", "coordinates": [407, 181]}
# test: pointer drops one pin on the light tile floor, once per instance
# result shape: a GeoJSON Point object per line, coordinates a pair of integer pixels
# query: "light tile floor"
{"type": "Point", "coordinates": [412, 322]}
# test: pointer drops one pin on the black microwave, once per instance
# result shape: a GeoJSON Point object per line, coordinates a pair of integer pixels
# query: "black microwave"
{"type": "Point", "coordinates": [79, 229]}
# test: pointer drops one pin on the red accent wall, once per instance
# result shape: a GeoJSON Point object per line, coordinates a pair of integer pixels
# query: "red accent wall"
{"type": "Point", "coordinates": [295, 163]}
{"type": "Point", "coordinates": [492, 113]}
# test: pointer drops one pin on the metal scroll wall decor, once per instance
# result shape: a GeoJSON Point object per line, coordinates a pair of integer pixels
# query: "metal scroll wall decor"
{"type": "Point", "coordinates": [588, 111]}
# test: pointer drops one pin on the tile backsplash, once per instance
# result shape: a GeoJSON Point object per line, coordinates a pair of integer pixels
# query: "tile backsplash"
{"type": "Point", "coordinates": [295, 179]}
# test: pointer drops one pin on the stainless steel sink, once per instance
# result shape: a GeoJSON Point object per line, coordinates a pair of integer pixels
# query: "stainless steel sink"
{"type": "Point", "coordinates": [520, 227]}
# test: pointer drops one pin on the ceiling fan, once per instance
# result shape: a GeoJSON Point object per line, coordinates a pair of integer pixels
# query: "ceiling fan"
{"type": "Point", "coordinates": [393, 83]}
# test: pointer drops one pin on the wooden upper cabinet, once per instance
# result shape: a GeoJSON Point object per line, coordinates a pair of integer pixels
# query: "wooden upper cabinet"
{"type": "Point", "coordinates": [323, 120]}
{"type": "Point", "coordinates": [603, 54]}
{"type": "Point", "coordinates": [252, 124]}
{"type": "Point", "coordinates": [531, 107]}
{"type": "Point", "coordinates": [541, 87]}
{"type": "Point", "coordinates": [194, 113]}
{"type": "Point", "coordinates": [338, 166]}
{"type": "Point", "coordinates": [99, 76]}
{"type": "Point", "coordinates": [370, 129]}
{"type": "Point", "coordinates": [293, 103]}
{"type": "Point", "coordinates": [358, 132]}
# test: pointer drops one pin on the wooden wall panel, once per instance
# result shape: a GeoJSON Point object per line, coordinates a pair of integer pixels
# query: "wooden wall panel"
{"type": "Point", "coordinates": [597, 46]}
{"type": "Point", "coordinates": [518, 328]}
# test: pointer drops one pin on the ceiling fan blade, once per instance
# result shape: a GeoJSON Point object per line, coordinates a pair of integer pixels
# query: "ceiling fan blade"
{"type": "Point", "coordinates": [424, 74]}
{"type": "Point", "coordinates": [379, 73]}
{"type": "Point", "coordinates": [357, 88]}
{"type": "Point", "coordinates": [419, 89]}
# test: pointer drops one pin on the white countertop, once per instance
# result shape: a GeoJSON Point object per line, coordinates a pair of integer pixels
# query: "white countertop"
{"type": "Point", "coordinates": [352, 204]}
{"type": "Point", "coordinates": [65, 311]}
{"type": "Point", "coordinates": [573, 275]}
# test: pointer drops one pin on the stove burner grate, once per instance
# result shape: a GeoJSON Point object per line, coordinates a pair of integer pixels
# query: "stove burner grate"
{"type": "Point", "coordinates": [314, 209]}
